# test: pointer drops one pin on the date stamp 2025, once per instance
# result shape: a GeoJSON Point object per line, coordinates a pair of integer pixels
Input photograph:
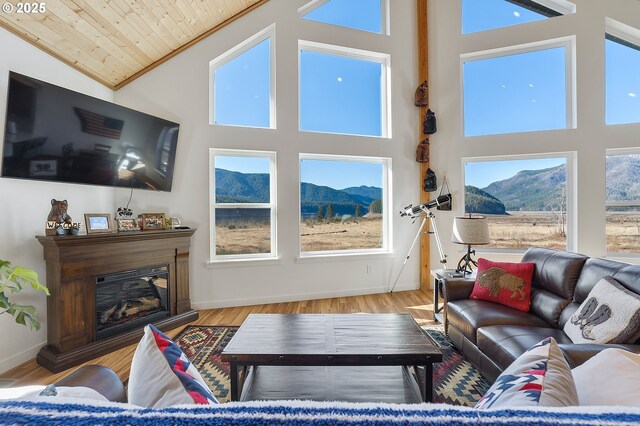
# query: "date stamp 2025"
{"type": "Point", "coordinates": [24, 7]}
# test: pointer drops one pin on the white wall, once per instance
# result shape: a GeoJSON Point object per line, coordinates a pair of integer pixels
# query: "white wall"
{"type": "Point", "coordinates": [179, 90]}
{"type": "Point", "coordinates": [589, 139]}
{"type": "Point", "coordinates": [25, 204]}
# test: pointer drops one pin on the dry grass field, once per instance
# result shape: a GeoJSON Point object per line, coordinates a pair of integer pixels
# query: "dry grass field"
{"type": "Point", "coordinates": [363, 234]}
{"type": "Point", "coordinates": [623, 233]}
{"type": "Point", "coordinates": [525, 229]}
{"type": "Point", "coordinates": [254, 237]}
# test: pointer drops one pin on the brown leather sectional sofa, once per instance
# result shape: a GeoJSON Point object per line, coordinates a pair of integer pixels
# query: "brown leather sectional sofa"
{"type": "Point", "coordinates": [492, 336]}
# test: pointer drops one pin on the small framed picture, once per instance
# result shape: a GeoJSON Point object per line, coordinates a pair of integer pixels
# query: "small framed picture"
{"type": "Point", "coordinates": [151, 221]}
{"type": "Point", "coordinates": [126, 225]}
{"type": "Point", "coordinates": [98, 223]}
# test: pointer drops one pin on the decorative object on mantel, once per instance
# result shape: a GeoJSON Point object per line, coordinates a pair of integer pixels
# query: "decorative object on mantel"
{"type": "Point", "coordinates": [151, 221]}
{"type": "Point", "coordinates": [58, 221]}
{"type": "Point", "coordinates": [127, 225]}
{"type": "Point", "coordinates": [430, 181]}
{"type": "Point", "coordinates": [443, 191]}
{"type": "Point", "coordinates": [13, 279]}
{"type": "Point", "coordinates": [173, 222]}
{"type": "Point", "coordinates": [429, 125]}
{"type": "Point", "coordinates": [422, 152]}
{"type": "Point", "coordinates": [471, 231]}
{"type": "Point", "coordinates": [98, 223]}
{"type": "Point", "coordinates": [422, 94]}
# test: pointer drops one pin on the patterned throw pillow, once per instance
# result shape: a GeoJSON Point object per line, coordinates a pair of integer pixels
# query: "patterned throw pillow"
{"type": "Point", "coordinates": [539, 377]}
{"type": "Point", "coordinates": [162, 375]}
{"type": "Point", "coordinates": [506, 283]}
{"type": "Point", "coordinates": [609, 314]}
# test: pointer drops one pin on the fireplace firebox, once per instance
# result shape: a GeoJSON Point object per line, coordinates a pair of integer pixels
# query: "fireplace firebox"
{"type": "Point", "coordinates": [126, 299]}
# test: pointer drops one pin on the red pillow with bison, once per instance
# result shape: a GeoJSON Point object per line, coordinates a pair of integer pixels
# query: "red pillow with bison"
{"type": "Point", "coordinates": [506, 283]}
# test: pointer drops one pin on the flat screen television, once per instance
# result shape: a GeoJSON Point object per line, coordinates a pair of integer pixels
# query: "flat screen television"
{"type": "Point", "coordinates": [59, 135]}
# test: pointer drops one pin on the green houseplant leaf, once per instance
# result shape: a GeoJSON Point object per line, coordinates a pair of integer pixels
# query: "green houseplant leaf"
{"type": "Point", "coordinates": [14, 280]}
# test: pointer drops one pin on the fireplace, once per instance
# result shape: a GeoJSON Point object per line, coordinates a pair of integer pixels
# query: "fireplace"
{"type": "Point", "coordinates": [106, 287]}
{"type": "Point", "coordinates": [127, 299]}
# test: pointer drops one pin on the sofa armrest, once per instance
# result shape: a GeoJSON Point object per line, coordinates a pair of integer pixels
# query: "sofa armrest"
{"type": "Point", "coordinates": [101, 379]}
{"type": "Point", "coordinates": [456, 289]}
{"type": "Point", "coordinates": [577, 354]}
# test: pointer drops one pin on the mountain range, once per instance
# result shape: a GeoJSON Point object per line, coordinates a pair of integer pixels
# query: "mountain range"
{"type": "Point", "coordinates": [540, 190]}
{"type": "Point", "coordinates": [236, 187]}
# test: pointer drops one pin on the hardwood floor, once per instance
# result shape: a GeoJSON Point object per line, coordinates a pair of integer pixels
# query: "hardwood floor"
{"type": "Point", "coordinates": [418, 303]}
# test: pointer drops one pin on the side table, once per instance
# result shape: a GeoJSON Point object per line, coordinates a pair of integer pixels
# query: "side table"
{"type": "Point", "coordinates": [439, 276]}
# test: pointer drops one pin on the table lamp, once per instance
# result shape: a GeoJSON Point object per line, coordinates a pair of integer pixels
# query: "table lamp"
{"type": "Point", "coordinates": [471, 231]}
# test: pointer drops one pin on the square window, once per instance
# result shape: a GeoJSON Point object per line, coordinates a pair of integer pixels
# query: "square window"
{"type": "Point", "coordinates": [491, 14]}
{"type": "Point", "coordinates": [365, 15]}
{"type": "Point", "coordinates": [242, 84]}
{"type": "Point", "coordinates": [519, 92]}
{"type": "Point", "coordinates": [525, 200]}
{"type": "Point", "coordinates": [622, 81]}
{"type": "Point", "coordinates": [343, 91]}
{"type": "Point", "coordinates": [343, 204]}
{"type": "Point", "coordinates": [623, 203]}
{"type": "Point", "coordinates": [242, 204]}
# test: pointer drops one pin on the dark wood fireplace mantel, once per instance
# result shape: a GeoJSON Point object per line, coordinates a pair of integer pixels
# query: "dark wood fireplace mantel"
{"type": "Point", "coordinates": [74, 262]}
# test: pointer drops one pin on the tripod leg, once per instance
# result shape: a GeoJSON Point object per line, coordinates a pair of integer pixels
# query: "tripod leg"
{"type": "Point", "coordinates": [409, 253]}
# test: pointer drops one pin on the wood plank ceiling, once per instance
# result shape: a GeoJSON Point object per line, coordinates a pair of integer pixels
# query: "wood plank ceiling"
{"type": "Point", "coordinates": [116, 41]}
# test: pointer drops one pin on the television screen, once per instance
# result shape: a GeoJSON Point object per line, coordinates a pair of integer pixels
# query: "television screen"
{"type": "Point", "coordinates": [56, 134]}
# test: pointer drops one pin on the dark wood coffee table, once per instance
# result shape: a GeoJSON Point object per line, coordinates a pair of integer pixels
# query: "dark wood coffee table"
{"type": "Point", "coordinates": [355, 357]}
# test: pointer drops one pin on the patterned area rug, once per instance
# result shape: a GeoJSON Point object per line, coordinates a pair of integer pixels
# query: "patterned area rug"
{"type": "Point", "coordinates": [456, 380]}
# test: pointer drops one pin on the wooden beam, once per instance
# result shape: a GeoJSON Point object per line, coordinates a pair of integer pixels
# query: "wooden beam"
{"type": "Point", "coordinates": [423, 75]}
{"type": "Point", "coordinates": [189, 44]}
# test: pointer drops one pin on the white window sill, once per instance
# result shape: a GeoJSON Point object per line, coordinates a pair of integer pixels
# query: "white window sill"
{"type": "Point", "coordinates": [345, 257]}
{"type": "Point", "coordinates": [234, 263]}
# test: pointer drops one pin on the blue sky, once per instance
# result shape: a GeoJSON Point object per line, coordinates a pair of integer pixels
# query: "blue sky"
{"type": "Point", "coordinates": [341, 174]}
{"type": "Point", "coordinates": [243, 164]}
{"type": "Point", "coordinates": [481, 15]}
{"type": "Point", "coordinates": [242, 89]}
{"type": "Point", "coordinates": [481, 174]}
{"type": "Point", "coordinates": [515, 93]}
{"type": "Point", "coordinates": [359, 14]}
{"type": "Point", "coordinates": [623, 83]}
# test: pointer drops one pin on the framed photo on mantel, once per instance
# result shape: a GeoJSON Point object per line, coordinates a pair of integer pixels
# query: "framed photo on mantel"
{"type": "Point", "coordinates": [151, 221]}
{"type": "Point", "coordinates": [98, 223]}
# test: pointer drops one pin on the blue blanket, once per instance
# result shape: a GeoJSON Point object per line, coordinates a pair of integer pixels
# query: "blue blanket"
{"type": "Point", "coordinates": [59, 411]}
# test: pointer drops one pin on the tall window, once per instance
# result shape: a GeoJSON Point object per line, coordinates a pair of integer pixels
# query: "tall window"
{"type": "Point", "coordinates": [243, 200]}
{"type": "Point", "coordinates": [623, 201]}
{"type": "Point", "coordinates": [490, 14]}
{"type": "Point", "coordinates": [622, 61]}
{"type": "Point", "coordinates": [365, 15]}
{"type": "Point", "coordinates": [243, 83]}
{"type": "Point", "coordinates": [526, 200]}
{"type": "Point", "coordinates": [344, 204]}
{"type": "Point", "coordinates": [524, 91]}
{"type": "Point", "coordinates": [343, 90]}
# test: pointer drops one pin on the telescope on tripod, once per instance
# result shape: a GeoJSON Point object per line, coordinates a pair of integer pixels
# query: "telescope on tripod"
{"type": "Point", "coordinates": [415, 212]}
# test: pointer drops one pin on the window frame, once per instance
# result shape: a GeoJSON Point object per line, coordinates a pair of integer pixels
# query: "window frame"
{"type": "Point", "coordinates": [572, 214]}
{"type": "Point", "coordinates": [568, 43]}
{"type": "Point", "coordinates": [615, 152]}
{"type": "Point", "coordinates": [387, 200]}
{"type": "Point", "coordinates": [213, 205]}
{"type": "Point", "coordinates": [235, 52]}
{"type": "Point", "coordinates": [384, 59]}
{"type": "Point", "coordinates": [384, 13]}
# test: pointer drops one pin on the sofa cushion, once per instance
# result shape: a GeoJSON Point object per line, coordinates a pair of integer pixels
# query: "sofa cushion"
{"type": "Point", "coordinates": [538, 378]}
{"type": "Point", "coordinates": [610, 378]}
{"type": "Point", "coordinates": [469, 315]}
{"type": "Point", "coordinates": [505, 283]}
{"type": "Point", "coordinates": [162, 375]}
{"type": "Point", "coordinates": [593, 271]}
{"type": "Point", "coordinates": [610, 314]}
{"type": "Point", "coordinates": [504, 343]}
{"type": "Point", "coordinates": [555, 271]}
{"type": "Point", "coordinates": [548, 305]}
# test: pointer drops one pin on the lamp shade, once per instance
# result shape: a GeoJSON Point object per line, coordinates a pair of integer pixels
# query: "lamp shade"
{"type": "Point", "coordinates": [470, 230]}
